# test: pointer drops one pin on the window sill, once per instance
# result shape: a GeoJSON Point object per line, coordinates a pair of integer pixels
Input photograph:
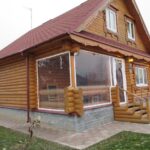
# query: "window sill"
{"type": "Point", "coordinates": [111, 32]}
{"type": "Point", "coordinates": [131, 39]}
{"type": "Point", "coordinates": [50, 111]}
{"type": "Point", "coordinates": [142, 86]}
{"type": "Point", "coordinates": [90, 107]}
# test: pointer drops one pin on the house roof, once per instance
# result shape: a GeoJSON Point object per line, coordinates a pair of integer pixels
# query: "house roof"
{"type": "Point", "coordinates": [62, 24]}
{"type": "Point", "coordinates": [73, 20]}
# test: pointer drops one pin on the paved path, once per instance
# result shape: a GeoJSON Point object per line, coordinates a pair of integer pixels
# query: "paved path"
{"type": "Point", "coordinates": [77, 140]}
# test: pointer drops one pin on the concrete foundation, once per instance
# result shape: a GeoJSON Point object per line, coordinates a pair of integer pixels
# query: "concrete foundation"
{"type": "Point", "coordinates": [90, 119]}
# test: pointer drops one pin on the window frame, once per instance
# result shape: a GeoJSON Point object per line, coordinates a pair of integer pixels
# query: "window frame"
{"type": "Point", "coordinates": [142, 84]}
{"type": "Point", "coordinates": [109, 26]}
{"type": "Point", "coordinates": [38, 97]}
{"type": "Point", "coordinates": [75, 73]}
{"type": "Point", "coordinates": [130, 30]}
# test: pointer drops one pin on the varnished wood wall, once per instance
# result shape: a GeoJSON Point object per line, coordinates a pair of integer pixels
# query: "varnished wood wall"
{"type": "Point", "coordinates": [13, 82]}
{"type": "Point", "coordinates": [98, 26]}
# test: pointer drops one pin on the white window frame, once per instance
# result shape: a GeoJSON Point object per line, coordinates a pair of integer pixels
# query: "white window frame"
{"type": "Point", "coordinates": [130, 30]}
{"type": "Point", "coordinates": [123, 73]}
{"type": "Point", "coordinates": [38, 99]}
{"type": "Point", "coordinates": [111, 23]}
{"type": "Point", "coordinates": [137, 69]}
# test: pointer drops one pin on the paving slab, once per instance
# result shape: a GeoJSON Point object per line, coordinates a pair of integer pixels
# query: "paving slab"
{"type": "Point", "coordinates": [74, 139]}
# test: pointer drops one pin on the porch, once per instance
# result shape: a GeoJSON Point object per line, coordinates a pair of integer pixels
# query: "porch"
{"type": "Point", "coordinates": [74, 82]}
{"type": "Point", "coordinates": [137, 110]}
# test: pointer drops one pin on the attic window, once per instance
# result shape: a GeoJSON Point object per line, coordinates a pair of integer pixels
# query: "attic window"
{"type": "Point", "coordinates": [130, 30]}
{"type": "Point", "coordinates": [111, 20]}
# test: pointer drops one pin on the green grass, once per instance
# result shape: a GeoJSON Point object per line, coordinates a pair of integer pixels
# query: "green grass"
{"type": "Point", "coordinates": [124, 141]}
{"type": "Point", "coordinates": [12, 140]}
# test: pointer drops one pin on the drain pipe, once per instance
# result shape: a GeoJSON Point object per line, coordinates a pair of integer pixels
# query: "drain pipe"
{"type": "Point", "coordinates": [28, 86]}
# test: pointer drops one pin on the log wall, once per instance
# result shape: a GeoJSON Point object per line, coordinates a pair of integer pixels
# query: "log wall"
{"type": "Point", "coordinates": [98, 26]}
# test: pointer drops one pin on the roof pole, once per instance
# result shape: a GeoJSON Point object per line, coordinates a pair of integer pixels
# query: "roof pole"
{"type": "Point", "coordinates": [31, 15]}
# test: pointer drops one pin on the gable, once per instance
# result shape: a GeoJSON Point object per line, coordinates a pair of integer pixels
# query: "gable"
{"type": "Point", "coordinates": [98, 25]}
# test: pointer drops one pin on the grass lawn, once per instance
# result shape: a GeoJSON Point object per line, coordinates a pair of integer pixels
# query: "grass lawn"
{"type": "Point", "coordinates": [12, 140]}
{"type": "Point", "coordinates": [124, 141]}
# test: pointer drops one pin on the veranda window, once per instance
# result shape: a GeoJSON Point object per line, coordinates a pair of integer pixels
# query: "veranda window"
{"type": "Point", "coordinates": [53, 77]}
{"type": "Point", "coordinates": [141, 76]}
{"type": "Point", "coordinates": [93, 76]}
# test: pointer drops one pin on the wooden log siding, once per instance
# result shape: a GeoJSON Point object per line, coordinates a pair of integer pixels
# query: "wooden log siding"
{"type": "Point", "coordinates": [33, 82]}
{"type": "Point", "coordinates": [13, 85]}
{"type": "Point", "coordinates": [98, 26]}
{"type": "Point", "coordinates": [13, 92]}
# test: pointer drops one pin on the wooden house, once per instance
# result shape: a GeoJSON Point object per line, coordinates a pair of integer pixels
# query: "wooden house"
{"type": "Point", "coordinates": [100, 49]}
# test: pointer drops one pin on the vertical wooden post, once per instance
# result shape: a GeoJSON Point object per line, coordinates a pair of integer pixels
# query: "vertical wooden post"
{"type": "Point", "coordinates": [117, 95]}
{"type": "Point", "coordinates": [148, 108]}
{"type": "Point", "coordinates": [133, 91]}
{"type": "Point", "coordinates": [72, 67]}
{"type": "Point", "coordinates": [28, 86]}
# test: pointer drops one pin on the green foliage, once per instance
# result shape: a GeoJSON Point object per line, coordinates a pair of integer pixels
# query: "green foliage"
{"type": "Point", "coordinates": [124, 141]}
{"type": "Point", "coordinates": [12, 140]}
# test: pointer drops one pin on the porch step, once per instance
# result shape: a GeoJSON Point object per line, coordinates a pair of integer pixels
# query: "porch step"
{"type": "Point", "coordinates": [124, 113]}
{"type": "Point", "coordinates": [145, 116]}
{"type": "Point", "coordinates": [145, 121]}
{"type": "Point", "coordinates": [142, 112]}
{"type": "Point", "coordinates": [121, 108]}
{"type": "Point", "coordinates": [131, 112]}
{"type": "Point", "coordinates": [133, 109]}
{"type": "Point", "coordinates": [126, 116]}
{"type": "Point", "coordinates": [133, 105]}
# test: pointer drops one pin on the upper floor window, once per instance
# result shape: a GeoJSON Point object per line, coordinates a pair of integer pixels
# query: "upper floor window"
{"type": "Point", "coordinates": [130, 30]}
{"type": "Point", "coordinates": [141, 76]}
{"type": "Point", "coordinates": [111, 20]}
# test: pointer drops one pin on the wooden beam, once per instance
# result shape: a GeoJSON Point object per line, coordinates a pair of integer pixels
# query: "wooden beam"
{"type": "Point", "coordinates": [72, 67]}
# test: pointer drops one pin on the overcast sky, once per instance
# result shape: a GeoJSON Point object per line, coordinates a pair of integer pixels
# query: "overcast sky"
{"type": "Point", "coordinates": [15, 17]}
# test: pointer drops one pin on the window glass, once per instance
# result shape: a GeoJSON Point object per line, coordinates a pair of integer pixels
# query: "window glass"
{"type": "Point", "coordinates": [141, 76]}
{"type": "Point", "coordinates": [130, 30]}
{"type": "Point", "coordinates": [53, 77]}
{"type": "Point", "coordinates": [93, 75]}
{"type": "Point", "coordinates": [111, 20]}
{"type": "Point", "coordinates": [145, 77]}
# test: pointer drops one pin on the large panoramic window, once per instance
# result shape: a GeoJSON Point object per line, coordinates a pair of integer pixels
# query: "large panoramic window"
{"type": "Point", "coordinates": [53, 77]}
{"type": "Point", "coordinates": [93, 76]}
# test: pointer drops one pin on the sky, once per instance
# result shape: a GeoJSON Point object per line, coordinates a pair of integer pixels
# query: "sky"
{"type": "Point", "coordinates": [15, 15]}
